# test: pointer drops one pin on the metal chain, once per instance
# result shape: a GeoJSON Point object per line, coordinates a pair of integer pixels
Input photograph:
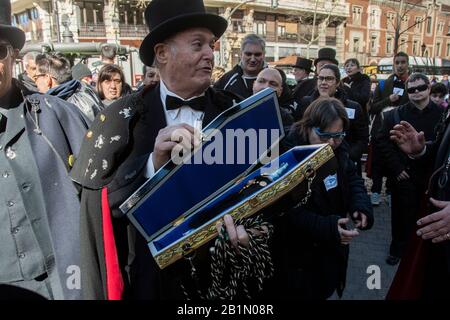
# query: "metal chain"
{"type": "Point", "coordinates": [233, 271]}
{"type": "Point", "coordinates": [311, 174]}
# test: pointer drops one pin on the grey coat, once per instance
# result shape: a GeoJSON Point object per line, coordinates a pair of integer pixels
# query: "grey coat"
{"type": "Point", "coordinates": [55, 131]}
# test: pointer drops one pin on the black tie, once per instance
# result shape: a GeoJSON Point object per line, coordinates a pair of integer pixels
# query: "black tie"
{"type": "Point", "coordinates": [173, 103]}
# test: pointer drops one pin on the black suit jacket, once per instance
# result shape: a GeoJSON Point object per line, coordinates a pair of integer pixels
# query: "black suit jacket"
{"type": "Point", "coordinates": [128, 129]}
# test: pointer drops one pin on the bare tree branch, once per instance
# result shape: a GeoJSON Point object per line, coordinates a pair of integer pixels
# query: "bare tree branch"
{"type": "Point", "coordinates": [412, 26]}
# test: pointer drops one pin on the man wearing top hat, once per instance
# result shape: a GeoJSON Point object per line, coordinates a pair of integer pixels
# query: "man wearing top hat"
{"type": "Point", "coordinates": [39, 211]}
{"type": "Point", "coordinates": [133, 138]}
{"type": "Point", "coordinates": [305, 86]}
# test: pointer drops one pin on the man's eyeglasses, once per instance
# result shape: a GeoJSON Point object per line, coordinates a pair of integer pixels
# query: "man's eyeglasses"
{"type": "Point", "coordinates": [327, 79]}
{"type": "Point", "coordinates": [420, 88]}
{"type": "Point", "coordinates": [325, 136]}
{"type": "Point", "coordinates": [4, 51]}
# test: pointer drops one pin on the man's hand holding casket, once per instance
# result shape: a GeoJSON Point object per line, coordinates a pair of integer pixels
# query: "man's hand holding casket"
{"type": "Point", "coordinates": [177, 138]}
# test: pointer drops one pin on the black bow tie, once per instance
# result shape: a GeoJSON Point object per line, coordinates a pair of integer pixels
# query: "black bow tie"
{"type": "Point", "coordinates": [173, 103]}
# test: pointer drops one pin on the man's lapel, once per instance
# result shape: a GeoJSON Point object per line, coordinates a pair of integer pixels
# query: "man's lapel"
{"type": "Point", "coordinates": [212, 110]}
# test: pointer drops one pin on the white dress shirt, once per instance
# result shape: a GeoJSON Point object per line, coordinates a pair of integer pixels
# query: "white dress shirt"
{"type": "Point", "coordinates": [184, 114]}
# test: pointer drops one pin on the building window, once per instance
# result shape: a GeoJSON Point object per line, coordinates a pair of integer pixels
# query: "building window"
{"type": "Point", "coordinates": [448, 49]}
{"type": "Point", "coordinates": [374, 43]}
{"type": "Point", "coordinates": [441, 27]}
{"type": "Point", "coordinates": [260, 28]}
{"type": "Point", "coordinates": [237, 26]}
{"type": "Point", "coordinates": [403, 44]}
{"type": "Point", "coordinates": [429, 24]}
{"type": "Point", "coordinates": [281, 31]}
{"type": "Point", "coordinates": [91, 11]}
{"type": "Point", "coordinates": [416, 48]}
{"type": "Point", "coordinates": [389, 45]}
{"type": "Point", "coordinates": [390, 20]}
{"type": "Point", "coordinates": [418, 24]}
{"type": "Point", "coordinates": [357, 11]}
{"type": "Point", "coordinates": [438, 49]}
{"type": "Point", "coordinates": [356, 43]}
{"type": "Point", "coordinates": [405, 21]}
{"type": "Point", "coordinates": [34, 13]}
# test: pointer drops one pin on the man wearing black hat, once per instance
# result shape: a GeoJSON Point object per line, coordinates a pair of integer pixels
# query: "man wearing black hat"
{"type": "Point", "coordinates": [134, 137]}
{"type": "Point", "coordinates": [39, 210]}
{"type": "Point", "coordinates": [325, 56]}
{"type": "Point", "coordinates": [305, 86]}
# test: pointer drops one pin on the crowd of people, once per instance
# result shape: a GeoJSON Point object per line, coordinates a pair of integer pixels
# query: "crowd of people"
{"type": "Point", "coordinates": [75, 143]}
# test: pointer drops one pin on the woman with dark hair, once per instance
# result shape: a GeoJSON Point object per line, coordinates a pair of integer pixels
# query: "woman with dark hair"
{"type": "Point", "coordinates": [328, 81]}
{"type": "Point", "coordinates": [111, 84]}
{"type": "Point", "coordinates": [311, 242]}
{"type": "Point", "coordinates": [356, 85]}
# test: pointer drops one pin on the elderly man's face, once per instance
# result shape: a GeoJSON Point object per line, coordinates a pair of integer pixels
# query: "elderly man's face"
{"type": "Point", "coordinates": [268, 78]}
{"type": "Point", "coordinates": [187, 61]}
{"type": "Point", "coordinates": [252, 59]}
{"type": "Point", "coordinates": [7, 56]}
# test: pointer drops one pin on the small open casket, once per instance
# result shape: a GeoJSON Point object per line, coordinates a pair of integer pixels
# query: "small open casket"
{"type": "Point", "coordinates": [177, 209]}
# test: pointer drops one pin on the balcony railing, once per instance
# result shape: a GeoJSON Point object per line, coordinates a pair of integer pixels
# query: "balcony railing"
{"type": "Point", "coordinates": [134, 31]}
{"type": "Point", "coordinates": [92, 30]}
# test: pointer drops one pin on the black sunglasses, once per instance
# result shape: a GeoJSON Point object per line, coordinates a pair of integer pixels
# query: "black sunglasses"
{"type": "Point", "coordinates": [420, 88]}
{"type": "Point", "coordinates": [4, 51]}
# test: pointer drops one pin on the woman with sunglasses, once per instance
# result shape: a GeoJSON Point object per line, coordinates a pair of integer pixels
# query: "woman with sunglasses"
{"type": "Point", "coordinates": [312, 243]}
{"type": "Point", "coordinates": [328, 85]}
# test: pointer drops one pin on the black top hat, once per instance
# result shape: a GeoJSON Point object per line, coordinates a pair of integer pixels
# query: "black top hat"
{"type": "Point", "coordinates": [165, 18]}
{"type": "Point", "coordinates": [303, 63]}
{"type": "Point", "coordinates": [326, 54]}
{"type": "Point", "coordinates": [15, 36]}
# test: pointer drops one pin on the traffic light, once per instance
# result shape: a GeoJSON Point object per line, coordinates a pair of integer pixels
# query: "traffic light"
{"type": "Point", "coordinates": [274, 3]}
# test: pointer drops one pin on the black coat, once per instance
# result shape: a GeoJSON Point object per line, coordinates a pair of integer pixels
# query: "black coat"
{"type": "Point", "coordinates": [358, 133]}
{"type": "Point", "coordinates": [304, 88]}
{"type": "Point", "coordinates": [233, 81]}
{"type": "Point", "coordinates": [396, 161]}
{"type": "Point", "coordinates": [126, 159]}
{"type": "Point", "coordinates": [310, 262]}
{"type": "Point", "coordinates": [381, 101]}
{"type": "Point", "coordinates": [359, 90]}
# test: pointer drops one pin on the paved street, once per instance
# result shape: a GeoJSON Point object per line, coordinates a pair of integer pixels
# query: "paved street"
{"type": "Point", "coordinates": [370, 248]}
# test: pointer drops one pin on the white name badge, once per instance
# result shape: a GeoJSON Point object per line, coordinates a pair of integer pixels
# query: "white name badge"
{"type": "Point", "coordinates": [398, 91]}
{"type": "Point", "coordinates": [350, 113]}
{"type": "Point", "coordinates": [331, 182]}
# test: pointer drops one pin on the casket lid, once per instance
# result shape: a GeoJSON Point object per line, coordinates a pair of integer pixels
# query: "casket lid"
{"type": "Point", "coordinates": [176, 191]}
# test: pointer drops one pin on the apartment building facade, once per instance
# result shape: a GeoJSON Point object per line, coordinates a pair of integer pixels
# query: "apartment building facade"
{"type": "Point", "coordinates": [286, 25]}
{"type": "Point", "coordinates": [373, 26]}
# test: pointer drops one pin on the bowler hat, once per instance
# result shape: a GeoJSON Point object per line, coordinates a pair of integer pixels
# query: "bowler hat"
{"type": "Point", "coordinates": [303, 63]}
{"type": "Point", "coordinates": [166, 18]}
{"type": "Point", "coordinates": [326, 54]}
{"type": "Point", "coordinates": [15, 36]}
